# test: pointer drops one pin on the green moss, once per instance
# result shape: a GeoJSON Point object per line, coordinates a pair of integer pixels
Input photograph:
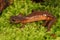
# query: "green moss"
{"type": "Point", "coordinates": [32, 31]}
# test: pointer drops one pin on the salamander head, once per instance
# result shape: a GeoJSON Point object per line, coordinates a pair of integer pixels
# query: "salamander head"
{"type": "Point", "coordinates": [16, 19]}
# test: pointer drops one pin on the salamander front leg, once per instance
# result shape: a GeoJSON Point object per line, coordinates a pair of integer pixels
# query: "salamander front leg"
{"type": "Point", "coordinates": [45, 24]}
{"type": "Point", "coordinates": [22, 26]}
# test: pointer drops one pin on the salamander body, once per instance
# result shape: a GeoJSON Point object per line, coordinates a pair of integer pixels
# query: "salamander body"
{"type": "Point", "coordinates": [35, 16]}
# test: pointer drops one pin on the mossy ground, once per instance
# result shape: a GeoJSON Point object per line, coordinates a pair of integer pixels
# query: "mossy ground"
{"type": "Point", "coordinates": [32, 31]}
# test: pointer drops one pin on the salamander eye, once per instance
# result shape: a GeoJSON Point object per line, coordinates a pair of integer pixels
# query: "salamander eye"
{"type": "Point", "coordinates": [12, 20]}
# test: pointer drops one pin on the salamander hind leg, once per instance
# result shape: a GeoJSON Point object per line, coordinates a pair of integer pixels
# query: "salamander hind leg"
{"type": "Point", "coordinates": [22, 26]}
{"type": "Point", "coordinates": [49, 25]}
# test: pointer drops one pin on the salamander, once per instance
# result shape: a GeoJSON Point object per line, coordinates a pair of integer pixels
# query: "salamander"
{"type": "Point", "coordinates": [35, 16]}
{"type": "Point", "coordinates": [4, 4]}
